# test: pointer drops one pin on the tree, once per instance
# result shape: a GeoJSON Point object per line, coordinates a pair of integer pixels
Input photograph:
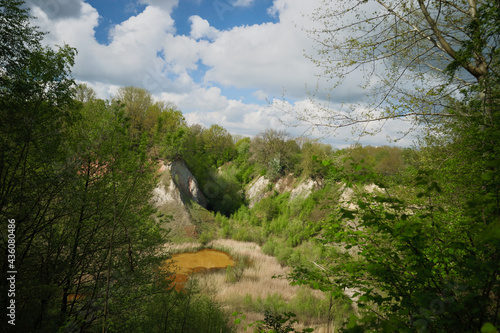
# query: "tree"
{"type": "Point", "coordinates": [423, 256]}
{"type": "Point", "coordinates": [84, 93]}
{"type": "Point", "coordinates": [76, 188]}
{"type": "Point", "coordinates": [137, 101]}
{"type": "Point", "coordinates": [17, 39]}
{"type": "Point", "coordinates": [35, 111]}
{"type": "Point", "coordinates": [219, 145]}
{"type": "Point", "coordinates": [274, 152]}
{"type": "Point", "coordinates": [313, 153]}
{"type": "Point", "coordinates": [413, 55]}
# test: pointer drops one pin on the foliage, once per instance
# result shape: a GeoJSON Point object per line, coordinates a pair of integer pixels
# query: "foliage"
{"type": "Point", "coordinates": [279, 323]}
{"type": "Point", "coordinates": [235, 273]}
{"type": "Point", "coordinates": [313, 153]}
{"type": "Point", "coordinates": [219, 145]}
{"type": "Point", "coordinates": [424, 257]}
{"type": "Point", "coordinates": [186, 311]}
{"type": "Point", "coordinates": [411, 57]}
{"type": "Point", "coordinates": [76, 178]}
{"type": "Point", "coordinates": [274, 153]}
{"type": "Point", "coordinates": [225, 192]}
{"type": "Point", "coordinates": [274, 323]}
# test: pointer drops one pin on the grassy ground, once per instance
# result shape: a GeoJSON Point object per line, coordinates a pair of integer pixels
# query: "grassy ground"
{"type": "Point", "coordinates": [253, 289]}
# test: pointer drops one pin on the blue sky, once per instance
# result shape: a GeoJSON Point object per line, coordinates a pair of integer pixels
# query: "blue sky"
{"type": "Point", "coordinates": [221, 14]}
{"type": "Point", "coordinates": [237, 63]}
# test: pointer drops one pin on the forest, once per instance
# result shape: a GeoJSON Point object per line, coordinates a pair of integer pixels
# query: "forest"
{"type": "Point", "coordinates": [389, 239]}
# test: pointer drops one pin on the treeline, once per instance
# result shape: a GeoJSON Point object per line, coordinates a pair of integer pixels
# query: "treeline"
{"type": "Point", "coordinates": [272, 153]}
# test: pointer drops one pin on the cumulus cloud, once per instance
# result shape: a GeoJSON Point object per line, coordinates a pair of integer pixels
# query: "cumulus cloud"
{"type": "Point", "coordinates": [167, 5]}
{"type": "Point", "coordinates": [145, 51]}
{"type": "Point", "coordinates": [133, 57]}
{"type": "Point", "coordinates": [200, 28]}
{"type": "Point", "coordinates": [57, 9]}
{"type": "Point", "coordinates": [243, 3]}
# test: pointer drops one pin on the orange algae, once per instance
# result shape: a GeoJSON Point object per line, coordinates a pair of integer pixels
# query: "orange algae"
{"type": "Point", "coordinates": [187, 263]}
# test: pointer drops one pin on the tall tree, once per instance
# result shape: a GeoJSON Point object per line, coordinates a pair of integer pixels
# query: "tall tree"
{"type": "Point", "coordinates": [219, 145]}
{"type": "Point", "coordinates": [274, 151]}
{"type": "Point", "coordinates": [423, 257]}
{"type": "Point", "coordinates": [76, 188]}
{"type": "Point", "coordinates": [137, 101]}
{"type": "Point", "coordinates": [411, 55]}
{"type": "Point", "coordinates": [35, 112]}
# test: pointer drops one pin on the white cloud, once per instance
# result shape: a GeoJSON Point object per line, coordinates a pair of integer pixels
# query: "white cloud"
{"type": "Point", "coordinates": [200, 28]}
{"type": "Point", "coordinates": [267, 56]}
{"type": "Point", "coordinates": [261, 95]}
{"type": "Point", "coordinates": [145, 51]}
{"type": "Point", "coordinates": [166, 5]}
{"type": "Point", "coordinates": [243, 3]}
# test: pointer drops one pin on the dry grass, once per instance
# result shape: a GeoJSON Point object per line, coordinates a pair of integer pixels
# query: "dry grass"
{"type": "Point", "coordinates": [257, 281]}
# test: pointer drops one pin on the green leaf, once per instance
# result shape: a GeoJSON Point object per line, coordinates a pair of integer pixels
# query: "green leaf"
{"type": "Point", "coordinates": [364, 298]}
{"type": "Point", "coordinates": [488, 328]}
{"type": "Point", "coordinates": [487, 176]}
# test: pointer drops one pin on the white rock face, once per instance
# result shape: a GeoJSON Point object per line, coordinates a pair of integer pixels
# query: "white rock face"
{"type": "Point", "coordinates": [166, 194]}
{"type": "Point", "coordinates": [346, 197]}
{"type": "Point", "coordinates": [372, 188]}
{"type": "Point", "coordinates": [186, 182]}
{"type": "Point", "coordinates": [176, 185]}
{"type": "Point", "coordinates": [257, 190]}
{"type": "Point", "coordinates": [304, 189]}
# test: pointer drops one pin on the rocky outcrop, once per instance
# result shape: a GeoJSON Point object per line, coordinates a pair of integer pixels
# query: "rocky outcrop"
{"type": "Point", "coordinates": [262, 187]}
{"type": "Point", "coordinates": [186, 183]}
{"type": "Point", "coordinates": [257, 190]}
{"type": "Point", "coordinates": [305, 188]}
{"type": "Point", "coordinates": [176, 187]}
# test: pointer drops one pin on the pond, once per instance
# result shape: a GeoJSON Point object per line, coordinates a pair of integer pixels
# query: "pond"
{"type": "Point", "coordinates": [205, 260]}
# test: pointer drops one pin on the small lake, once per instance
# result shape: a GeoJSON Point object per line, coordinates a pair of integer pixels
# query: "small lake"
{"type": "Point", "coordinates": [205, 260]}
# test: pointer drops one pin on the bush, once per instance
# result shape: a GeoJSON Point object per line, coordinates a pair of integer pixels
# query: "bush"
{"type": "Point", "coordinates": [171, 311]}
{"type": "Point", "coordinates": [269, 247]}
{"type": "Point", "coordinates": [234, 273]}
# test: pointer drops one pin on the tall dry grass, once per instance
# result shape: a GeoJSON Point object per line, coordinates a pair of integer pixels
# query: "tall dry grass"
{"type": "Point", "coordinates": [256, 282]}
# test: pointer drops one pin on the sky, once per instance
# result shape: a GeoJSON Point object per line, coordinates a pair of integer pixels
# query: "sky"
{"type": "Point", "coordinates": [236, 63]}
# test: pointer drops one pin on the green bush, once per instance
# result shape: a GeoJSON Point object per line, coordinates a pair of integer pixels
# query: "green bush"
{"type": "Point", "coordinates": [269, 247]}
{"type": "Point", "coordinates": [171, 311]}
{"type": "Point", "coordinates": [235, 273]}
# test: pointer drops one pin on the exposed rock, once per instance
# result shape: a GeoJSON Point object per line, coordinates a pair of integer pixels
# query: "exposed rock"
{"type": "Point", "coordinates": [346, 201]}
{"type": "Point", "coordinates": [166, 194]}
{"type": "Point", "coordinates": [257, 190]}
{"type": "Point", "coordinates": [372, 188]}
{"type": "Point", "coordinates": [305, 188]}
{"type": "Point", "coordinates": [285, 184]}
{"type": "Point", "coordinates": [186, 182]}
{"type": "Point", "coordinates": [177, 186]}
{"type": "Point", "coordinates": [348, 194]}
{"type": "Point", "coordinates": [346, 197]}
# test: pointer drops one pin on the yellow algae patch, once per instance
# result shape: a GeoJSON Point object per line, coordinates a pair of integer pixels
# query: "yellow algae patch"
{"type": "Point", "coordinates": [204, 260]}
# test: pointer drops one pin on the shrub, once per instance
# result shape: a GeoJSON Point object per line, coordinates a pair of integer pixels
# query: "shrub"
{"type": "Point", "coordinates": [234, 273]}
